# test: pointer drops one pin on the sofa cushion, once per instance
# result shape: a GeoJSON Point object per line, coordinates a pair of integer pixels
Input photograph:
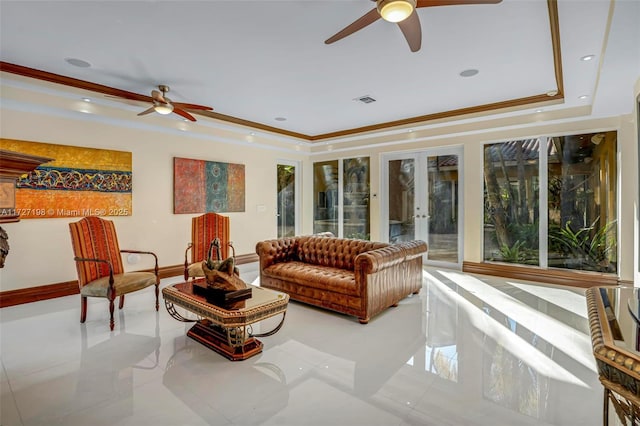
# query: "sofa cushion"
{"type": "Point", "coordinates": [336, 280]}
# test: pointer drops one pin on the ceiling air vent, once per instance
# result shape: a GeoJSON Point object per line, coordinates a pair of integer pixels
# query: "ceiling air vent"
{"type": "Point", "coordinates": [365, 99]}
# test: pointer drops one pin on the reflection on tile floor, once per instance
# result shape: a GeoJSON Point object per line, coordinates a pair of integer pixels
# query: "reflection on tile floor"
{"type": "Point", "coordinates": [468, 350]}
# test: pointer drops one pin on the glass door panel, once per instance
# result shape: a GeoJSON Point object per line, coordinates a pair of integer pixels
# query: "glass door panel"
{"type": "Point", "coordinates": [401, 199]}
{"type": "Point", "coordinates": [442, 207]}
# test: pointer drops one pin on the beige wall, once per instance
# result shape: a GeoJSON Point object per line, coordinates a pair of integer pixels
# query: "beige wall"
{"type": "Point", "coordinates": [40, 249]}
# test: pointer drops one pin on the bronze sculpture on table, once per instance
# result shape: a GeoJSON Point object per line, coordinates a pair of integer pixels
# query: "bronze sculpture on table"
{"type": "Point", "coordinates": [219, 274]}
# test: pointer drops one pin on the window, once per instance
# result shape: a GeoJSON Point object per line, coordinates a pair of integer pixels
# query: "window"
{"type": "Point", "coordinates": [341, 197]}
{"type": "Point", "coordinates": [555, 206]}
{"type": "Point", "coordinates": [286, 175]}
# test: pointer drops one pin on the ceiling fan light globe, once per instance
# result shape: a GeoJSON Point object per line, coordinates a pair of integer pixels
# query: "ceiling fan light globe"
{"type": "Point", "coordinates": [395, 10]}
{"type": "Point", "coordinates": [163, 109]}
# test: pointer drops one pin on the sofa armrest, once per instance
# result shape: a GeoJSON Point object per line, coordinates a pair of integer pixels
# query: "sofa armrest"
{"type": "Point", "coordinates": [414, 248]}
{"type": "Point", "coordinates": [386, 275]}
{"type": "Point", "coordinates": [276, 251]}
{"type": "Point", "coordinates": [375, 260]}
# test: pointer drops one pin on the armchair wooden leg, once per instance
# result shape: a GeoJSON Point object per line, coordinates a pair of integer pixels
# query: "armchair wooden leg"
{"type": "Point", "coordinates": [121, 304]}
{"type": "Point", "coordinates": [111, 321]}
{"type": "Point", "coordinates": [157, 292]}
{"type": "Point", "coordinates": [83, 309]}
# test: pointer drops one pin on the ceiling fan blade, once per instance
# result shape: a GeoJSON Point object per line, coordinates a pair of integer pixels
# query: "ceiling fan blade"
{"type": "Point", "coordinates": [366, 19]}
{"type": "Point", "coordinates": [132, 100]}
{"type": "Point", "coordinates": [184, 114]}
{"type": "Point", "coordinates": [412, 31]}
{"type": "Point", "coordinates": [431, 3]}
{"type": "Point", "coordinates": [147, 111]}
{"type": "Point", "coordinates": [191, 106]}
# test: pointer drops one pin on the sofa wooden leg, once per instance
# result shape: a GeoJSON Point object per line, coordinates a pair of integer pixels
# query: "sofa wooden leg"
{"type": "Point", "coordinates": [363, 320]}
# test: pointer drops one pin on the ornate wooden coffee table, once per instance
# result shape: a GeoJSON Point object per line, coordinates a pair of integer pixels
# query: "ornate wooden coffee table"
{"type": "Point", "coordinates": [226, 328]}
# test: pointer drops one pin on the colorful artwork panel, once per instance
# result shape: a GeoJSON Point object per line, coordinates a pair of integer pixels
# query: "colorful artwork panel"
{"type": "Point", "coordinates": [78, 182]}
{"type": "Point", "coordinates": [208, 186]}
{"type": "Point", "coordinates": [216, 187]}
{"type": "Point", "coordinates": [235, 178]}
{"type": "Point", "coordinates": [189, 186]}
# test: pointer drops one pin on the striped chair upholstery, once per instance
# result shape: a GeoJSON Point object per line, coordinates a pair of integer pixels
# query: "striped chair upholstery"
{"type": "Point", "coordinates": [205, 229]}
{"type": "Point", "coordinates": [99, 265]}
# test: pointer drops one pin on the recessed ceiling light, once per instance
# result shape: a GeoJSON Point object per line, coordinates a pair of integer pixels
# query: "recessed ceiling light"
{"type": "Point", "coordinates": [280, 119]}
{"type": "Point", "coordinates": [469, 73]}
{"type": "Point", "coordinates": [587, 57]}
{"type": "Point", "coordinates": [583, 97]}
{"type": "Point", "coordinates": [78, 62]}
{"type": "Point", "coordinates": [86, 99]}
{"type": "Point", "coordinates": [538, 110]}
{"type": "Point", "coordinates": [252, 133]}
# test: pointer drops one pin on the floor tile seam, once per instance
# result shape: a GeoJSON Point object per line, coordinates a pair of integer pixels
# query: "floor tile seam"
{"type": "Point", "coordinates": [213, 407]}
{"type": "Point", "coordinates": [303, 360]}
{"type": "Point", "coordinates": [42, 369]}
{"type": "Point", "coordinates": [13, 396]}
{"type": "Point", "coordinates": [255, 405]}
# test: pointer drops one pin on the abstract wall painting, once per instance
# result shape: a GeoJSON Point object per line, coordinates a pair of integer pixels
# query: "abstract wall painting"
{"type": "Point", "coordinates": [78, 182]}
{"type": "Point", "coordinates": [207, 186]}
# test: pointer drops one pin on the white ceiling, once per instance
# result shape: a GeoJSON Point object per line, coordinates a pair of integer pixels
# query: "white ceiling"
{"type": "Point", "coordinates": [258, 60]}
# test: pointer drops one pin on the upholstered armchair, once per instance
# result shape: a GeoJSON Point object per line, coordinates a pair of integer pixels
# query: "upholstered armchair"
{"type": "Point", "coordinates": [204, 229]}
{"type": "Point", "coordinates": [98, 260]}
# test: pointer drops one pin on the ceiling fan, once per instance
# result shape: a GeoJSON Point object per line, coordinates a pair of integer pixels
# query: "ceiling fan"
{"type": "Point", "coordinates": [163, 105]}
{"type": "Point", "coordinates": [402, 12]}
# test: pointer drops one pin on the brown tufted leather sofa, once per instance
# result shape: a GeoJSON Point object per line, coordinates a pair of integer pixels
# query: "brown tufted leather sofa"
{"type": "Point", "coordinates": [355, 277]}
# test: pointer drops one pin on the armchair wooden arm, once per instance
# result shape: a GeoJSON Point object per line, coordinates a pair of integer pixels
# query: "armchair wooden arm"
{"type": "Point", "coordinates": [111, 291]}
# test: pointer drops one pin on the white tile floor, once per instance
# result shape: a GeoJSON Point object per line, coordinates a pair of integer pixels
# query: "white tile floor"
{"type": "Point", "coordinates": [468, 350]}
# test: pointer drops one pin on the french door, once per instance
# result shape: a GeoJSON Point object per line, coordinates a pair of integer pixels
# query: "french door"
{"type": "Point", "coordinates": [421, 201]}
